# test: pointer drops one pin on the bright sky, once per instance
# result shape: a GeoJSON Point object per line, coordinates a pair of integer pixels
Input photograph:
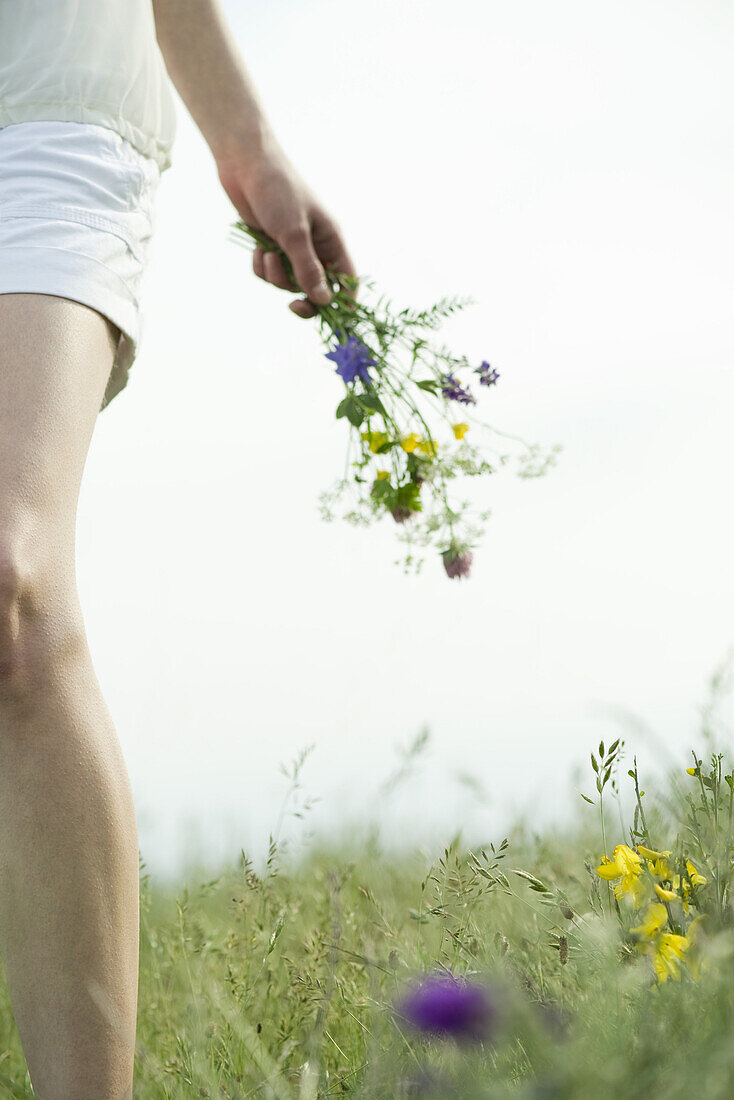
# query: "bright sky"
{"type": "Point", "coordinates": [570, 167]}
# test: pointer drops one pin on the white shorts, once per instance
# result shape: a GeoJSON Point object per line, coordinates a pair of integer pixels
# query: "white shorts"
{"type": "Point", "coordinates": [76, 220]}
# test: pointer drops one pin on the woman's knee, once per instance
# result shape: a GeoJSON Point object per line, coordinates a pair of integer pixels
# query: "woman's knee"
{"type": "Point", "coordinates": [37, 608]}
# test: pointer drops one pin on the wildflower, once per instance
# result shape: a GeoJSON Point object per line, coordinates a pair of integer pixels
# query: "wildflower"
{"type": "Point", "coordinates": [655, 919]}
{"type": "Point", "coordinates": [669, 949]}
{"type": "Point", "coordinates": [447, 1006]}
{"type": "Point", "coordinates": [661, 868]}
{"type": "Point", "coordinates": [457, 560]}
{"type": "Point", "coordinates": [696, 879]}
{"type": "Point", "coordinates": [693, 958]}
{"type": "Point", "coordinates": [692, 771]}
{"type": "Point", "coordinates": [487, 375]}
{"type": "Point", "coordinates": [626, 866]}
{"type": "Point", "coordinates": [410, 442]}
{"type": "Point", "coordinates": [460, 430]}
{"type": "Point", "coordinates": [382, 475]}
{"type": "Point", "coordinates": [401, 513]}
{"type": "Point", "coordinates": [649, 853]}
{"type": "Point", "coordinates": [452, 389]}
{"type": "Point", "coordinates": [666, 895]}
{"type": "Point", "coordinates": [427, 446]}
{"type": "Point", "coordinates": [375, 440]}
{"type": "Point", "coordinates": [352, 359]}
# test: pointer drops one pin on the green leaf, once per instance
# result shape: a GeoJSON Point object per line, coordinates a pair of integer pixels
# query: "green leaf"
{"type": "Point", "coordinates": [354, 411]}
{"type": "Point", "coordinates": [428, 384]}
{"type": "Point", "coordinates": [589, 800]}
{"type": "Point", "coordinates": [594, 764]}
{"type": "Point", "coordinates": [341, 409]}
{"type": "Point", "coordinates": [372, 402]}
{"type": "Point", "coordinates": [381, 488]}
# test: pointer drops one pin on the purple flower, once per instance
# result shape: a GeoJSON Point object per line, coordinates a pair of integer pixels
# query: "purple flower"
{"type": "Point", "coordinates": [447, 1006]}
{"type": "Point", "coordinates": [452, 389]}
{"type": "Point", "coordinates": [352, 358]}
{"type": "Point", "coordinates": [401, 513]}
{"type": "Point", "coordinates": [487, 375]}
{"type": "Point", "coordinates": [457, 561]}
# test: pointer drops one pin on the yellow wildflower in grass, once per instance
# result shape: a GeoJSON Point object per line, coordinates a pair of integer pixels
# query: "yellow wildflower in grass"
{"type": "Point", "coordinates": [460, 430]}
{"type": "Point", "coordinates": [655, 918]}
{"type": "Point", "coordinates": [666, 895]}
{"type": "Point", "coordinates": [661, 868]}
{"type": "Point", "coordinates": [693, 960]}
{"type": "Point", "coordinates": [382, 474]}
{"type": "Point", "coordinates": [626, 866]}
{"type": "Point", "coordinates": [375, 440]}
{"type": "Point", "coordinates": [669, 950]}
{"type": "Point", "coordinates": [648, 853]}
{"type": "Point", "coordinates": [410, 442]}
{"type": "Point", "coordinates": [696, 879]}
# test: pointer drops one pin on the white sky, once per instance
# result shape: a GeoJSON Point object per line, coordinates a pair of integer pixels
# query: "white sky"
{"type": "Point", "coordinates": [570, 167]}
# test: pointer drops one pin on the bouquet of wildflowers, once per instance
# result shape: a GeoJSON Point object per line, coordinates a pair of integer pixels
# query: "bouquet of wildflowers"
{"type": "Point", "coordinates": [396, 389]}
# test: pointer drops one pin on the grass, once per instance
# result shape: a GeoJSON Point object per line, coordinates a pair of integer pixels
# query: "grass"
{"type": "Point", "coordinates": [283, 982]}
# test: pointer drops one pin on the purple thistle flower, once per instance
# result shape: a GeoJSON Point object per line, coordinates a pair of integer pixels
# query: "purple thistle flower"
{"type": "Point", "coordinates": [451, 388]}
{"type": "Point", "coordinates": [448, 1007]}
{"type": "Point", "coordinates": [352, 359]}
{"type": "Point", "coordinates": [457, 562]}
{"type": "Point", "coordinates": [487, 375]}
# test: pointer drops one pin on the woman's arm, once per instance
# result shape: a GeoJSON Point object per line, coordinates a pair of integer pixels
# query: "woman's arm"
{"type": "Point", "coordinates": [263, 186]}
{"type": "Point", "coordinates": [209, 75]}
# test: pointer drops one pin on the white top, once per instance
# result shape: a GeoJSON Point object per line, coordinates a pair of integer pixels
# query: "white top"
{"type": "Point", "coordinates": [87, 61]}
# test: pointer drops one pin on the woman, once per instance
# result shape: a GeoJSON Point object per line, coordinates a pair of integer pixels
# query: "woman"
{"type": "Point", "coordinates": [87, 124]}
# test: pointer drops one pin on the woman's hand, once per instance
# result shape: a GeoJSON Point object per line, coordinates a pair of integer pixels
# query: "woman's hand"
{"type": "Point", "coordinates": [269, 195]}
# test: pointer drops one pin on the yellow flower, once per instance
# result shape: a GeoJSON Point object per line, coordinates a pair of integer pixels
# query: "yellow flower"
{"type": "Point", "coordinates": [410, 442]}
{"type": "Point", "coordinates": [648, 853]}
{"type": "Point", "coordinates": [696, 879]}
{"type": "Point", "coordinates": [691, 771]}
{"type": "Point", "coordinates": [375, 440]}
{"type": "Point", "coordinates": [693, 960]}
{"type": "Point", "coordinates": [627, 859]}
{"type": "Point", "coordinates": [665, 895]}
{"type": "Point", "coordinates": [460, 430]}
{"type": "Point", "coordinates": [382, 474]}
{"type": "Point", "coordinates": [427, 447]}
{"type": "Point", "coordinates": [669, 950]}
{"type": "Point", "coordinates": [626, 866]}
{"type": "Point", "coordinates": [655, 919]}
{"type": "Point", "coordinates": [661, 868]}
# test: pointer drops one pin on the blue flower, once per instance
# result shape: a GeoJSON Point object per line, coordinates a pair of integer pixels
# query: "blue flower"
{"type": "Point", "coordinates": [452, 389]}
{"type": "Point", "coordinates": [352, 359]}
{"type": "Point", "coordinates": [448, 1007]}
{"type": "Point", "coordinates": [487, 375]}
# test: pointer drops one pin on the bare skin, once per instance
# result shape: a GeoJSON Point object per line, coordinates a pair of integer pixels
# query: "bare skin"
{"type": "Point", "coordinates": [68, 836]}
{"type": "Point", "coordinates": [261, 182]}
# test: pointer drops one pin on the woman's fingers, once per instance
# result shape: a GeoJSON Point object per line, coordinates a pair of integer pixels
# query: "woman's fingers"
{"type": "Point", "coordinates": [303, 308]}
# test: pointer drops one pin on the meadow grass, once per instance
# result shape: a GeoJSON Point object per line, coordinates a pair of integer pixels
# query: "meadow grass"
{"type": "Point", "coordinates": [283, 982]}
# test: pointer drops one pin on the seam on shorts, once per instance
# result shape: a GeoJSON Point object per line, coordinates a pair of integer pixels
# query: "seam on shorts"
{"type": "Point", "coordinates": [61, 212]}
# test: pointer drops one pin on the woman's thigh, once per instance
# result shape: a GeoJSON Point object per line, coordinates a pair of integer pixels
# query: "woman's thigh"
{"type": "Point", "coordinates": [55, 358]}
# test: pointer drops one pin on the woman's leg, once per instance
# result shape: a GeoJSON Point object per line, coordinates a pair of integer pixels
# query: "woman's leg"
{"type": "Point", "coordinates": [69, 871]}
